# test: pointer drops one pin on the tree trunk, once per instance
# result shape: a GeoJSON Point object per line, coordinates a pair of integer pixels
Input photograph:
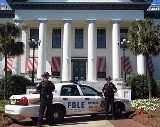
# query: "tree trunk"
{"type": "Point", "coordinates": [5, 80]}
{"type": "Point", "coordinates": [149, 78]}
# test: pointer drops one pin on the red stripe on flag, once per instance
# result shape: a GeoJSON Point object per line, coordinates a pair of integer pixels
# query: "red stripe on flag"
{"type": "Point", "coordinates": [30, 64]}
{"type": "Point", "coordinates": [56, 64]}
{"type": "Point", "coordinates": [101, 64]}
{"type": "Point", "coordinates": [128, 67]}
{"type": "Point", "coordinates": [150, 64]}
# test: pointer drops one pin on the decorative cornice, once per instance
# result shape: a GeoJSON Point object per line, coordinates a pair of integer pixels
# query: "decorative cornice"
{"type": "Point", "coordinates": [79, 5]}
{"type": "Point", "coordinates": [7, 14]}
{"type": "Point", "coordinates": [152, 14]}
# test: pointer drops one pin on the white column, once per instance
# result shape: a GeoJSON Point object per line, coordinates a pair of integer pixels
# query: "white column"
{"type": "Point", "coordinates": [141, 64]}
{"type": "Point", "coordinates": [92, 50]}
{"type": "Point", "coordinates": [16, 66]}
{"type": "Point", "coordinates": [115, 48]}
{"type": "Point", "coordinates": [25, 56]}
{"type": "Point", "coordinates": [42, 47]}
{"type": "Point", "coordinates": [66, 66]}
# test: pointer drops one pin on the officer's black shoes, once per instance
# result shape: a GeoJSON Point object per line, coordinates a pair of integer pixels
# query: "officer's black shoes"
{"type": "Point", "coordinates": [106, 118]}
{"type": "Point", "coordinates": [113, 118]}
{"type": "Point", "coordinates": [52, 124]}
{"type": "Point", "coordinates": [39, 126]}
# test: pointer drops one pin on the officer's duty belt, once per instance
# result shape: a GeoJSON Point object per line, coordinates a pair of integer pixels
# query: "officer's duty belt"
{"type": "Point", "coordinates": [46, 96]}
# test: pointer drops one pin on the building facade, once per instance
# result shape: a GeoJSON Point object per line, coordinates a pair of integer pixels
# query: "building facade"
{"type": "Point", "coordinates": [79, 39]}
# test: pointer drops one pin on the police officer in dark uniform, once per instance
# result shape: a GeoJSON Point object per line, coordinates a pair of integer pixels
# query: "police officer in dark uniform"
{"type": "Point", "coordinates": [45, 88]}
{"type": "Point", "coordinates": [109, 89]}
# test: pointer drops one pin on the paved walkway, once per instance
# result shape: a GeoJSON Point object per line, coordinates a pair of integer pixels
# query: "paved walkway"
{"type": "Point", "coordinates": [84, 121]}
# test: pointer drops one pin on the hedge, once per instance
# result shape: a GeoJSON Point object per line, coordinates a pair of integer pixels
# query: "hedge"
{"type": "Point", "coordinates": [15, 85]}
{"type": "Point", "coordinates": [139, 86]}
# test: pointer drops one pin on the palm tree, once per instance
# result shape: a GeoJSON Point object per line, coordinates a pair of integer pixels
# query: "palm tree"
{"type": "Point", "coordinates": [144, 39]}
{"type": "Point", "coordinates": [8, 45]}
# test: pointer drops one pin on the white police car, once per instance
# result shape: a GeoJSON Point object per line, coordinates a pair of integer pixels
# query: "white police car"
{"type": "Point", "coordinates": [69, 99]}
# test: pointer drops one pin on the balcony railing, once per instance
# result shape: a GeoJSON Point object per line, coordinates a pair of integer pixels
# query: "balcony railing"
{"type": "Point", "coordinates": [5, 7]}
{"type": "Point", "coordinates": [154, 7]}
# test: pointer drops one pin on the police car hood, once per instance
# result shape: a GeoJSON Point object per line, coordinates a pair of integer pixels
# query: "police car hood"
{"type": "Point", "coordinates": [28, 96]}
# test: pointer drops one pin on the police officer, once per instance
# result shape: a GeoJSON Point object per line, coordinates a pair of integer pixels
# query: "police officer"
{"type": "Point", "coordinates": [109, 89]}
{"type": "Point", "coordinates": [45, 88]}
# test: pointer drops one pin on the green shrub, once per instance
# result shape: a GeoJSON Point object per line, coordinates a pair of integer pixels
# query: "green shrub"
{"type": "Point", "coordinates": [15, 85]}
{"type": "Point", "coordinates": [3, 101]}
{"type": "Point", "coordinates": [2, 109]}
{"type": "Point", "coordinates": [139, 86]}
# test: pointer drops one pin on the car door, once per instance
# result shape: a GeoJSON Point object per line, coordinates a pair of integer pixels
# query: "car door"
{"type": "Point", "coordinates": [74, 103]}
{"type": "Point", "coordinates": [94, 102]}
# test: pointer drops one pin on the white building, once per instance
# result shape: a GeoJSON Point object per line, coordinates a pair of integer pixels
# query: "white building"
{"type": "Point", "coordinates": [79, 38]}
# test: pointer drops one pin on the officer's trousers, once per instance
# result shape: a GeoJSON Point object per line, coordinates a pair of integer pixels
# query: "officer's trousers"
{"type": "Point", "coordinates": [43, 104]}
{"type": "Point", "coordinates": [109, 100]}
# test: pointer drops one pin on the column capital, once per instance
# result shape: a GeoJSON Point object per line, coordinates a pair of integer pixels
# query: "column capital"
{"type": "Point", "coordinates": [67, 20]}
{"type": "Point", "coordinates": [91, 20]}
{"type": "Point", "coordinates": [138, 19]}
{"type": "Point", "coordinates": [116, 20]}
{"type": "Point", "coordinates": [18, 20]}
{"type": "Point", "coordinates": [42, 20]}
{"type": "Point", "coordinates": [24, 27]}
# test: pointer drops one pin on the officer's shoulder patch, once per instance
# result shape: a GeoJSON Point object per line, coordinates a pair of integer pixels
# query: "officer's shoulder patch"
{"type": "Point", "coordinates": [38, 85]}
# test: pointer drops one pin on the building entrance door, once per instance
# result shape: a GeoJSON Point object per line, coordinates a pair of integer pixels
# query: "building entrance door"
{"type": "Point", "coordinates": [79, 70]}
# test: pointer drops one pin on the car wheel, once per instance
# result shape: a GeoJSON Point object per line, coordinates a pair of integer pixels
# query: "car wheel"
{"type": "Point", "coordinates": [34, 118]}
{"type": "Point", "coordinates": [58, 115]}
{"type": "Point", "coordinates": [118, 109]}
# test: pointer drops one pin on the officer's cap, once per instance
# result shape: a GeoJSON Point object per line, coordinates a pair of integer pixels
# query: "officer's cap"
{"type": "Point", "coordinates": [108, 77]}
{"type": "Point", "coordinates": [45, 74]}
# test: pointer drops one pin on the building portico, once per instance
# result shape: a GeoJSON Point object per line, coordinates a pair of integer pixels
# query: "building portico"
{"type": "Point", "coordinates": [78, 41]}
{"type": "Point", "coordinates": [67, 51]}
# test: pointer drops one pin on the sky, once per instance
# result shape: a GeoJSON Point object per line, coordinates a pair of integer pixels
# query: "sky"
{"type": "Point", "coordinates": [154, 1]}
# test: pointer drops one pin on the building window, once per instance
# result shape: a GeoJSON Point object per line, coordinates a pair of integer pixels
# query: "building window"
{"type": "Point", "coordinates": [34, 34]}
{"type": "Point", "coordinates": [101, 67]}
{"type": "Point", "coordinates": [78, 38]}
{"type": "Point", "coordinates": [56, 38]}
{"type": "Point", "coordinates": [101, 38]}
{"type": "Point", "coordinates": [56, 66]}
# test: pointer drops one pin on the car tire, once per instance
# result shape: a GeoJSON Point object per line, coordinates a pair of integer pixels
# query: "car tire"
{"type": "Point", "coordinates": [58, 114]}
{"type": "Point", "coordinates": [118, 109]}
